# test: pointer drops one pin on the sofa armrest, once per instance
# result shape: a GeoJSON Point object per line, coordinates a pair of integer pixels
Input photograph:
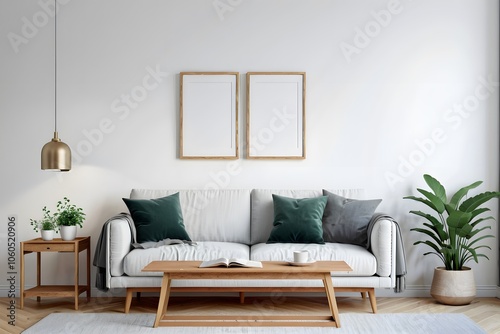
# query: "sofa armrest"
{"type": "Point", "coordinates": [383, 246]}
{"type": "Point", "coordinates": [118, 245]}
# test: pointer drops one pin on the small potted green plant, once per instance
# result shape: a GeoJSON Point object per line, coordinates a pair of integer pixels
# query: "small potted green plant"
{"type": "Point", "coordinates": [453, 229]}
{"type": "Point", "coordinates": [47, 225]}
{"type": "Point", "coordinates": [68, 217]}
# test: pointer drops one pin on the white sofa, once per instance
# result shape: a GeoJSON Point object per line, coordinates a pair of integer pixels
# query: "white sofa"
{"type": "Point", "coordinates": [237, 223]}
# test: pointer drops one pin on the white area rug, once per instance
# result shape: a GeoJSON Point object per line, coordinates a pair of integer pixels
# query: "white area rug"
{"type": "Point", "coordinates": [140, 323]}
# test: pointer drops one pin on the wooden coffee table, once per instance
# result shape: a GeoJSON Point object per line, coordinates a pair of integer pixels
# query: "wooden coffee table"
{"type": "Point", "coordinates": [320, 270]}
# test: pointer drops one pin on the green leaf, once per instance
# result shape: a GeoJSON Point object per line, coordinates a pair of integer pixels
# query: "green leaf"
{"type": "Point", "coordinates": [457, 197]}
{"type": "Point", "coordinates": [422, 200]}
{"type": "Point", "coordinates": [457, 219]}
{"type": "Point", "coordinates": [473, 242]}
{"type": "Point", "coordinates": [464, 231]}
{"type": "Point", "coordinates": [437, 226]}
{"type": "Point", "coordinates": [479, 211]}
{"type": "Point", "coordinates": [434, 235]}
{"type": "Point", "coordinates": [438, 254]}
{"type": "Point", "coordinates": [472, 203]}
{"type": "Point", "coordinates": [436, 187]}
{"type": "Point", "coordinates": [437, 203]}
{"type": "Point", "coordinates": [472, 251]}
{"type": "Point", "coordinates": [428, 243]}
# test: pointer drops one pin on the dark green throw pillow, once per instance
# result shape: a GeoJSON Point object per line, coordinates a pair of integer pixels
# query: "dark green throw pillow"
{"type": "Point", "coordinates": [157, 219]}
{"type": "Point", "coordinates": [346, 220]}
{"type": "Point", "coordinates": [297, 220]}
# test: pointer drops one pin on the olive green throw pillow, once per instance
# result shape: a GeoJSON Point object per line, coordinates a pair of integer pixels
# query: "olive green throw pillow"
{"type": "Point", "coordinates": [345, 220]}
{"type": "Point", "coordinates": [297, 220]}
{"type": "Point", "coordinates": [157, 219]}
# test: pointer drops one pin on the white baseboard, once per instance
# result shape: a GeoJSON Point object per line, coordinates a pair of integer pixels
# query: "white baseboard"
{"type": "Point", "coordinates": [423, 291]}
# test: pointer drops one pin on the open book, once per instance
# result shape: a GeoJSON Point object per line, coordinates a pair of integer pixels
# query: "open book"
{"type": "Point", "coordinates": [231, 263]}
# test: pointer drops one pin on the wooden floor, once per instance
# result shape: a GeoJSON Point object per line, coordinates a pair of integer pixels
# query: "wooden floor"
{"type": "Point", "coordinates": [484, 311]}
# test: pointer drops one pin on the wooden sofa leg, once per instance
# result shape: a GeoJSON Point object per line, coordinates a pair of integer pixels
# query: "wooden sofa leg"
{"type": "Point", "coordinates": [138, 290]}
{"type": "Point", "coordinates": [242, 297]}
{"type": "Point", "coordinates": [363, 295]}
{"type": "Point", "coordinates": [128, 300]}
{"type": "Point", "coordinates": [373, 300]}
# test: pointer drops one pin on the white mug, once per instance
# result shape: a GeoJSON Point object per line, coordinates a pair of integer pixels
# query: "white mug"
{"type": "Point", "coordinates": [301, 256]}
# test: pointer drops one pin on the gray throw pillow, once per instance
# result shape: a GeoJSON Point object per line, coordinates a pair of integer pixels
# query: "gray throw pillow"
{"type": "Point", "coordinates": [346, 220]}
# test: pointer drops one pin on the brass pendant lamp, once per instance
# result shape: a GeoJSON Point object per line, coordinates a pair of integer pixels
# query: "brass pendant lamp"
{"type": "Point", "coordinates": [56, 155]}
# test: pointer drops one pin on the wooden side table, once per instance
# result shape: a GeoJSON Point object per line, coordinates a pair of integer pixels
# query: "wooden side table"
{"type": "Point", "coordinates": [57, 245]}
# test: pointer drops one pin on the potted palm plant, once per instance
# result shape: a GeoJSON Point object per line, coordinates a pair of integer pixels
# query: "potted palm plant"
{"type": "Point", "coordinates": [454, 227]}
{"type": "Point", "coordinates": [69, 216]}
{"type": "Point", "coordinates": [47, 225]}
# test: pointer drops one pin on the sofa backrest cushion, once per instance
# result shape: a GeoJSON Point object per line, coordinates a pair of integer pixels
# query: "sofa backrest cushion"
{"type": "Point", "coordinates": [210, 215]}
{"type": "Point", "coordinates": [262, 209]}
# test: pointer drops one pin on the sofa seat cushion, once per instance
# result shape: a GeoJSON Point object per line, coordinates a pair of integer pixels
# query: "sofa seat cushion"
{"type": "Point", "coordinates": [362, 262]}
{"type": "Point", "coordinates": [137, 259]}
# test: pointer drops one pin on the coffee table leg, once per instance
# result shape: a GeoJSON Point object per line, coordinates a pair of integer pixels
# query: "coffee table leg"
{"type": "Point", "coordinates": [332, 302]}
{"type": "Point", "coordinates": [164, 296]}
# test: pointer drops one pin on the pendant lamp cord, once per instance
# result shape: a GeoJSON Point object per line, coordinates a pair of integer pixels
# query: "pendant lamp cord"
{"type": "Point", "coordinates": [55, 65]}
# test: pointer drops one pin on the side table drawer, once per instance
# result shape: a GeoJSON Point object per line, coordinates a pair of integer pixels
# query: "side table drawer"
{"type": "Point", "coordinates": [49, 247]}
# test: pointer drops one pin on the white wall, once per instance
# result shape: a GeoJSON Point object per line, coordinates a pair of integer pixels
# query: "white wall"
{"type": "Point", "coordinates": [382, 105]}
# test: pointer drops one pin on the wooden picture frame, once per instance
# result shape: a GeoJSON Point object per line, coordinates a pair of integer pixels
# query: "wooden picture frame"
{"type": "Point", "coordinates": [276, 114]}
{"type": "Point", "coordinates": [209, 115]}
